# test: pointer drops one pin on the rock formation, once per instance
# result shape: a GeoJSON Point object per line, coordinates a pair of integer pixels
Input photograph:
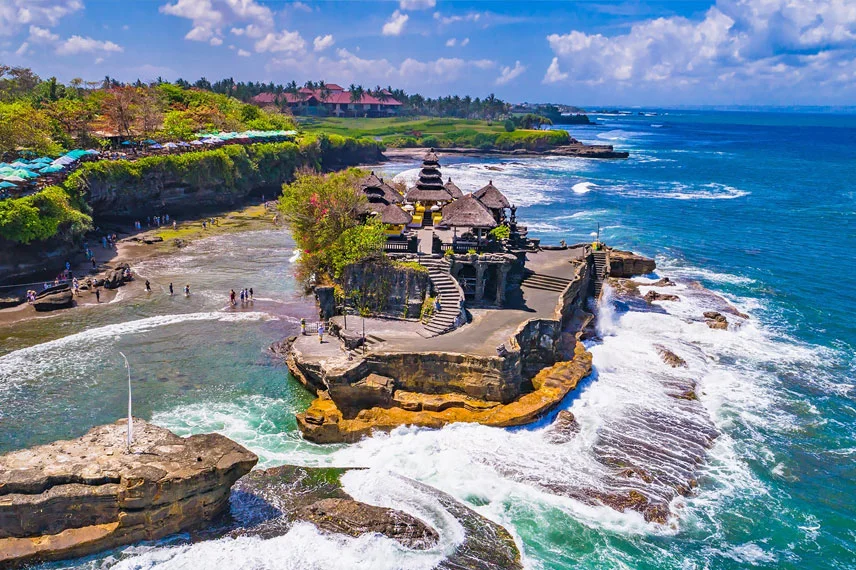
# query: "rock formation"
{"type": "Point", "coordinates": [325, 422]}
{"type": "Point", "coordinates": [13, 301]}
{"type": "Point", "coordinates": [356, 519]}
{"type": "Point", "coordinates": [652, 296]}
{"type": "Point", "coordinates": [267, 503]}
{"type": "Point", "coordinates": [115, 277]}
{"type": "Point", "coordinates": [715, 320]}
{"type": "Point", "coordinates": [627, 264]}
{"type": "Point", "coordinates": [76, 497]}
{"type": "Point", "coordinates": [58, 297]}
{"type": "Point", "coordinates": [670, 357]}
{"type": "Point", "coordinates": [563, 429]}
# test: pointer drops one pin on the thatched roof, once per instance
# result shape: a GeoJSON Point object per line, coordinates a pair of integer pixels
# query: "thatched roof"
{"type": "Point", "coordinates": [431, 158]}
{"type": "Point", "coordinates": [491, 197]}
{"type": "Point", "coordinates": [453, 189]}
{"type": "Point", "coordinates": [418, 194]}
{"type": "Point", "coordinates": [375, 188]}
{"type": "Point", "coordinates": [468, 212]}
{"type": "Point", "coordinates": [389, 213]}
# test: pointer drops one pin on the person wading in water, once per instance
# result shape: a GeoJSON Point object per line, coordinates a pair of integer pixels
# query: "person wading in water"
{"type": "Point", "coordinates": [148, 286]}
{"type": "Point", "coordinates": [187, 290]}
{"type": "Point", "coordinates": [170, 289]}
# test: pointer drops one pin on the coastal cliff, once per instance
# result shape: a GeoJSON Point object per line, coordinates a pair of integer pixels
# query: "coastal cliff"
{"type": "Point", "coordinates": [76, 497]}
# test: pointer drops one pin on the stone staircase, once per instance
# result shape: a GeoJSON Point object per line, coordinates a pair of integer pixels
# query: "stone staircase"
{"type": "Point", "coordinates": [599, 272]}
{"type": "Point", "coordinates": [449, 293]}
{"type": "Point", "coordinates": [543, 282]}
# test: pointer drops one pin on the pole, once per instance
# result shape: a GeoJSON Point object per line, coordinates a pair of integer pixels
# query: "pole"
{"type": "Point", "coordinates": [598, 234]}
{"type": "Point", "coordinates": [130, 418]}
{"type": "Point", "coordinates": [364, 334]}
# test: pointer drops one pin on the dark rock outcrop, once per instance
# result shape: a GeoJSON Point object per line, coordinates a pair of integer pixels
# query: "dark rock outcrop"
{"type": "Point", "coordinates": [626, 264]}
{"type": "Point", "coordinates": [652, 296]}
{"type": "Point", "coordinates": [355, 519]}
{"type": "Point", "coordinates": [116, 277]}
{"type": "Point", "coordinates": [76, 497]}
{"type": "Point", "coordinates": [563, 429]}
{"type": "Point", "coordinates": [671, 358]}
{"type": "Point", "coordinates": [6, 302]}
{"type": "Point", "coordinates": [715, 320]}
{"type": "Point", "coordinates": [58, 297]}
{"type": "Point", "coordinates": [268, 502]}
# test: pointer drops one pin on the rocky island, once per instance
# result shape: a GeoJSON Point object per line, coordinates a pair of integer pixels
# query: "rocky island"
{"type": "Point", "coordinates": [75, 497]}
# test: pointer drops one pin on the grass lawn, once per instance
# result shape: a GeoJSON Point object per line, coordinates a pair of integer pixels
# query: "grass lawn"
{"type": "Point", "coordinates": [424, 131]}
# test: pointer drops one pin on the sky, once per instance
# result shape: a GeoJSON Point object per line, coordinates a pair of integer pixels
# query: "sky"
{"type": "Point", "coordinates": [594, 52]}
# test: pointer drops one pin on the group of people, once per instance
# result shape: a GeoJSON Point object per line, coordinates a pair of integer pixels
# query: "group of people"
{"type": "Point", "coordinates": [246, 296]}
{"type": "Point", "coordinates": [210, 222]}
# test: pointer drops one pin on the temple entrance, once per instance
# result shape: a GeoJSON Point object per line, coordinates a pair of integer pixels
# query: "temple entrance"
{"type": "Point", "coordinates": [467, 278]}
{"type": "Point", "coordinates": [491, 282]}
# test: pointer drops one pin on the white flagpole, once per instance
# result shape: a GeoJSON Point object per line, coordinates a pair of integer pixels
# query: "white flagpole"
{"type": "Point", "coordinates": [130, 419]}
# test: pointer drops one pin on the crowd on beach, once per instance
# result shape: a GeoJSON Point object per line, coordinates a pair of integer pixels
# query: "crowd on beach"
{"type": "Point", "coordinates": [246, 296]}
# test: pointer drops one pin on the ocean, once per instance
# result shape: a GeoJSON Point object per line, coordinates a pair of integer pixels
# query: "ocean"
{"type": "Point", "coordinates": [759, 208]}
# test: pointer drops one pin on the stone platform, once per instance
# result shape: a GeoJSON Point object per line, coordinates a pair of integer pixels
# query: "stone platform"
{"type": "Point", "coordinates": [72, 498]}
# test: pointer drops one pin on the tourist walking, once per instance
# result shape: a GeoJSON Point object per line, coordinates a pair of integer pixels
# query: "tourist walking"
{"type": "Point", "coordinates": [303, 327]}
{"type": "Point", "coordinates": [242, 297]}
{"type": "Point", "coordinates": [187, 290]}
{"type": "Point", "coordinates": [170, 289]}
{"type": "Point", "coordinates": [320, 332]}
{"type": "Point", "coordinates": [232, 297]}
{"type": "Point", "coordinates": [148, 286]}
{"type": "Point", "coordinates": [76, 284]}
{"type": "Point", "coordinates": [98, 295]}
{"type": "Point", "coordinates": [251, 293]}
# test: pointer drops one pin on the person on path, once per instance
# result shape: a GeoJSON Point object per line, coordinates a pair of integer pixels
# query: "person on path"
{"type": "Point", "coordinates": [170, 288]}
{"type": "Point", "coordinates": [148, 286]}
{"type": "Point", "coordinates": [76, 284]}
{"type": "Point", "coordinates": [93, 263]}
{"type": "Point", "coordinates": [187, 290]}
{"type": "Point", "coordinates": [303, 327]}
{"type": "Point", "coordinates": [173, 225]}
{"type": "Point", "coordinates": [204, 226]}
{"type": "Point", "coordinates": [98, 295]}
{"type": "Point", "coordinates": [242, 297]}
{"type": "Point", "coordinates": [320, 333]}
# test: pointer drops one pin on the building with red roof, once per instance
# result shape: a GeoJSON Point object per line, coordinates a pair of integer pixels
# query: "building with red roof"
{"type": "Point", "coordinates": [333, 100]}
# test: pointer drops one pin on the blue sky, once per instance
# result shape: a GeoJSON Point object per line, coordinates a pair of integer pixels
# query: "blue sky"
{"type": "Point", "coordinates": [681, 52]}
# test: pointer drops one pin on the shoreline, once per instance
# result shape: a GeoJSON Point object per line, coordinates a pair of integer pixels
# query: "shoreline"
{"type": "Point", "coordinates": [579, 150]}
{"type": "Point", "coordinates": [133, 247]}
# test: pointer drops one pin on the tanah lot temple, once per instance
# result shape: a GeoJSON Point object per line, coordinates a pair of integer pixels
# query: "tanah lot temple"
{"type": "Point", "coordinates": [483, 324]}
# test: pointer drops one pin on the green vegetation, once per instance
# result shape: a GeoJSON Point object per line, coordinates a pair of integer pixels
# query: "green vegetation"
{"type": "Point", "coordinates": [403, 132]}
{"type": "Point", "coordinates": [427, 309]}
{"type": "Point", "coordinates": [46, 116]}
{"type": "Point", "coordinates": [322, 212]}
{"type": "Point", "coordinates": [237, 169]}
{"type": "Point", "coordinates": [500, 232]}
{"type": "Point", "coordinates": [41, 216]}
{"type": "Point", "coordinates": [414, 266]}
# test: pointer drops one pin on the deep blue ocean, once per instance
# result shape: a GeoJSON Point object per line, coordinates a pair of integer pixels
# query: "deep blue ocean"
{"type": "Point", "coordinates": [759, 208]}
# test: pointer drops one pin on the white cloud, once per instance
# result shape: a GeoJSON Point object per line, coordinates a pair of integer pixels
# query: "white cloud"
{"type": "Point", "coordinates": [321, 43]}
{"type": "Point", "coordinates": [244, 53]}
{"type": "Point", "coordinates": [508, 73]}
{"type": "Point", "coordinates": [761, 43]}
{"type": "Point", "coordinates": [99, 60]}
{"type": "Point", "coordinates": [208, 17]}
{"type": "Point", "coordinates": [417, 4]}
{"type": "Point", "coordinates": [301, 6]}
{"type": "Point", "coordinates": [16, 14]}
{"type": "Point", "coordinates": [464, 42]}
{"type": "Point", "coordinates": [78, 44]}
{"type": "Point", "coordinates": [285, 41]}
{"type": "Point", "coordinates": [126, 27]}
{"type": "Point", "coordinates": [347, 67]}
{"type": "Point", "coordinates": [42, 35]}
{"type": "Point", "coordinates": [451, 42]}
{"type": "Point", "coordinates": [251, 31]}
{"type": "Point", "coordinates": [469, 17]}
{"type": "Point", "coordinates": [22, 50]}
{"type": "Point", "coordinates": [216, 42]}
{"type": "Point", "coordinates": [396, 23]}
{"type": "Point", "coordinates": [554, 74]}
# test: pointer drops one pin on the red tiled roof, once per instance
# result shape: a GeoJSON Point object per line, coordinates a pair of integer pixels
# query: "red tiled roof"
{"type": "Point", "coordinates": [334, 97]}
{"type": "Point", "coordinates": [335, 87]}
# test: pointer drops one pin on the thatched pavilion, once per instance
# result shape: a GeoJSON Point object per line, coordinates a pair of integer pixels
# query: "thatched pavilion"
{"type": "Point", "coordinates": [429, 195]}
{"type": "Point", "coordinates": [383, 201]}
{"type": "Point", "coordinates": [494, 200]}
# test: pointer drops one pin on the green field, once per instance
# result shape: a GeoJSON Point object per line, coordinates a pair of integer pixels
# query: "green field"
{"type": "Point", "coordinates": [426, 132]}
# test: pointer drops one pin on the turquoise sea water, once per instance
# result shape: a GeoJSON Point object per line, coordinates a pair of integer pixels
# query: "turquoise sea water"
{"type": "Point", "coordinates": [760, 208]}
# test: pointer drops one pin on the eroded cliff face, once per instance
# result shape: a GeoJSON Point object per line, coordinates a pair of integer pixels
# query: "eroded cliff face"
{"type": "Point", "coordinates": [387, 289]}
{"type": "Point", "coordinates": [76, 497]}
{"type": "Point", "coordinates": [626, 264]}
